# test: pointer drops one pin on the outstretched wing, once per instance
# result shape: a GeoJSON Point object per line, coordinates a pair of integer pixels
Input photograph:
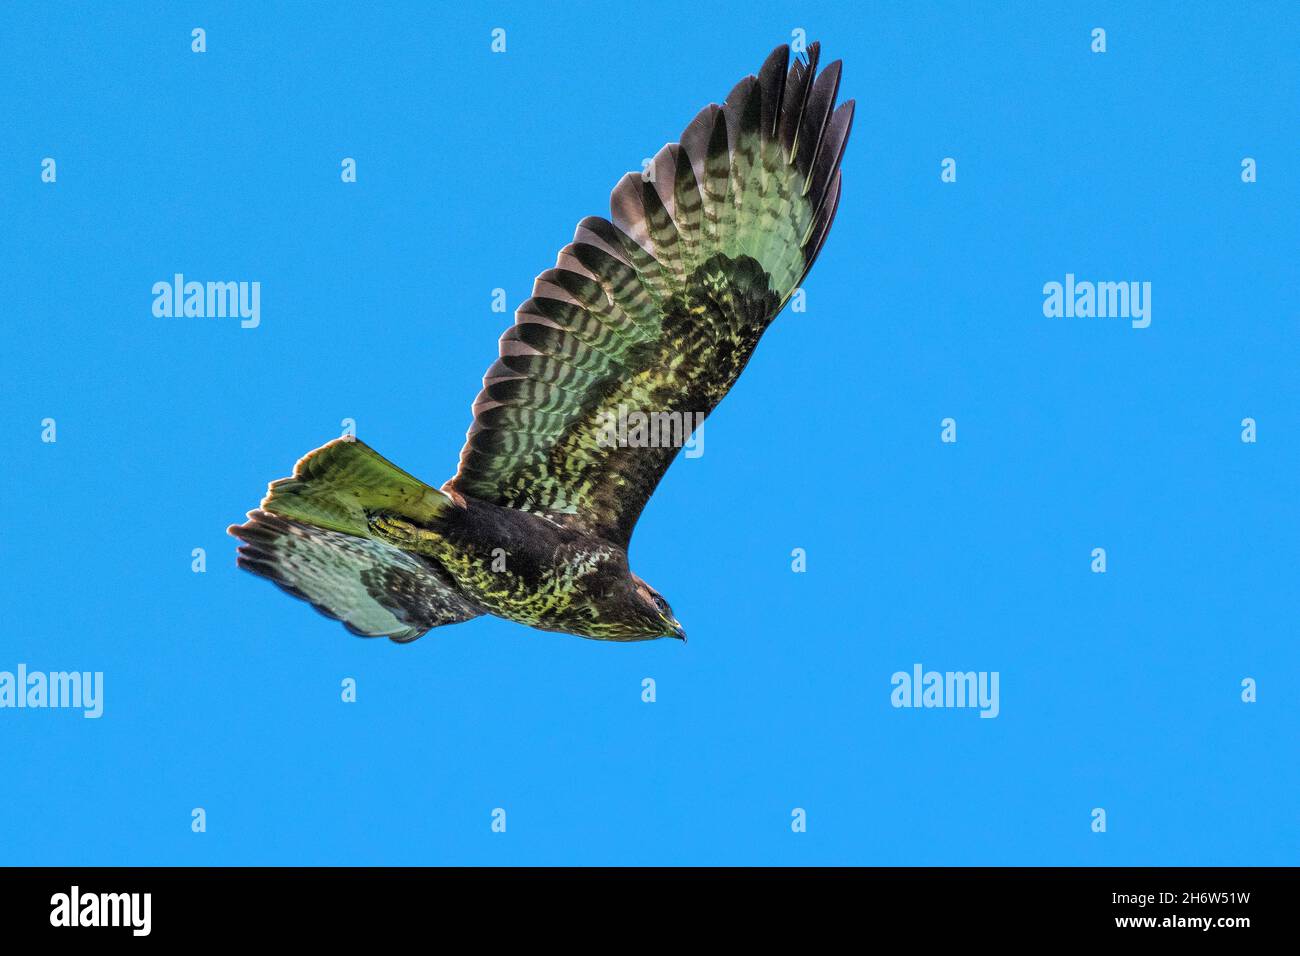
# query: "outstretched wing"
{"type": "Point", "coordinates": [375, 589]}
{"type": "Point", "coordinates": [657, 312]}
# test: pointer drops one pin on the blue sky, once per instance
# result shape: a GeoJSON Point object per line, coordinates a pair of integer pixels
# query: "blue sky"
{"type": "Point", "coordinates": [1119, 690]}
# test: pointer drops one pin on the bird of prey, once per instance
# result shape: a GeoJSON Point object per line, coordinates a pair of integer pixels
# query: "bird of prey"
{"type": "Point", "coordinates": [656, 309]}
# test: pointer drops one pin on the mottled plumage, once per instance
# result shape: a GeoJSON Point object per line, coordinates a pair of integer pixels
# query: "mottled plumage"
{"type": "Point", "coordinates": [656, 309]}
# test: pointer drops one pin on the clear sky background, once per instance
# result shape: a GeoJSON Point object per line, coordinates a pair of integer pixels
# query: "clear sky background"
{"type": "Point", "coordinates": [1119, 690]}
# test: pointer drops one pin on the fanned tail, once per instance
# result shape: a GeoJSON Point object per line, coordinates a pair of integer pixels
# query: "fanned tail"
{"type": "Point", "coordinates": [312, 538]}
{"type": "Point", "coordinates": [375, 589]}
{"type": "Point", "coordinates": [339, 484]}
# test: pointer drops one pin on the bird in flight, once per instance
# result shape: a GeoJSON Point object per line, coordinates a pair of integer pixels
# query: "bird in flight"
{"type": "Point", "coordinates": [656, 309]}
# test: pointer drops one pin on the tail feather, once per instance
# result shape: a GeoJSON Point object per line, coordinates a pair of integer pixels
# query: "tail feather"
{"type": "Point", "coordinates": [336, 485]}
{"type": "Point", "coordinates": [312, 538]}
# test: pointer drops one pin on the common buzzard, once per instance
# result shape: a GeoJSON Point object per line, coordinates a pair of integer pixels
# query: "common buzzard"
{"type": "Point", "coordinates": [656, 309]}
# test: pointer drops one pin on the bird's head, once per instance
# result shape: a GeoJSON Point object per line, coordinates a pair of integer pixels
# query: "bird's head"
{"type": "Point", "coordinates": [653, 612]}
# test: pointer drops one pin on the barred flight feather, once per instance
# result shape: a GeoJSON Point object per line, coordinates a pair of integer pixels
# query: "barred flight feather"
{"type": "Point", "coordinates": [660, 305]}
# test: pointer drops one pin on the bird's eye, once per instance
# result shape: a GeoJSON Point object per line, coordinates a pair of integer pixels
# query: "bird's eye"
{"type": "Point", "coordinates": [660, 603]}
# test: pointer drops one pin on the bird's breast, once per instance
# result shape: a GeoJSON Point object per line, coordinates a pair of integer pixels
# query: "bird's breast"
{"type": "Point", "coordinates": [524, 568]}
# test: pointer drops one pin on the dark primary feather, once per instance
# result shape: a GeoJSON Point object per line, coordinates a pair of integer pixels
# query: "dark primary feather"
{"type": "Point", "coordinates": [659, 308]}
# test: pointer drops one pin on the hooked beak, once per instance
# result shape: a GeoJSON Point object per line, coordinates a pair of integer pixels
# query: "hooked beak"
{"type": "Point", "coordinates": [673, 627]}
